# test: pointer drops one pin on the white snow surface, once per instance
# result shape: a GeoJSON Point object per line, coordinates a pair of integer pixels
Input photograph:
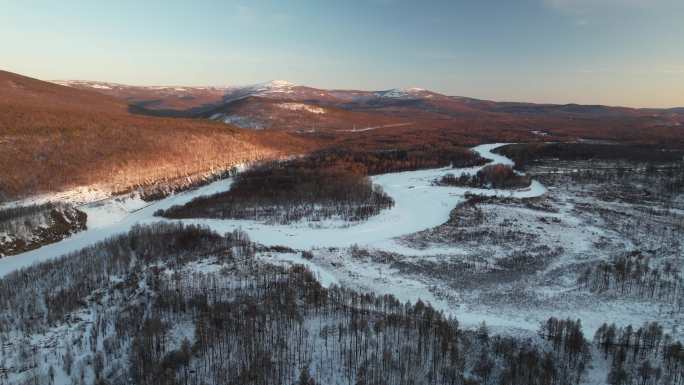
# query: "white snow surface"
{"type": "Point", "coordinates": [418, 205]}
{"type": "Point", "coordinates": [376, 127]}
{"type": "Point", "coordinates": [101, 86]}
{"type": "Point", "coordinates": [238, 120]}
{"type": "Point", "coordinates": [302, 107]}
{"type": "Point", "coordinates": [273, 86]}
{"type": "Point", "coordinates": [76, 196]}
{"type": "Point", "coordinates": [403, 93]}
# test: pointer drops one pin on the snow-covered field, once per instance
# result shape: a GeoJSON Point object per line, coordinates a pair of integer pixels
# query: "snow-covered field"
{"type": "Point", "coordinates": [238, 120]}
{"type": "Point", "coordinates": [302, 107]}
{"type": "Point", "coordinates": [382, 255]}
{"type": "Point", "coordinates": [511, 260]}
{"type": "Point", "coordinates": [418, 205]}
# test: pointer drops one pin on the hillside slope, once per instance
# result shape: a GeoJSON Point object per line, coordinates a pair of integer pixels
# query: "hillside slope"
{"type": "Point", "coordinates": [399, 117]}
{"type": "Point", "coordinates": [54, 137]}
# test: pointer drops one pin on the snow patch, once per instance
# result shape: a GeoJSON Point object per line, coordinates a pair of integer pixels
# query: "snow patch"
{"type": "Point", "coordinates": [539, 133]}
{"type": "Point", "coordinates": [76, 196]}
{"type": "Point", "coordinates": [302, 107]}
{"type": "Point", "coordinates": [238, 120]}
{"type": "Point", "coordinates": [402, 93]}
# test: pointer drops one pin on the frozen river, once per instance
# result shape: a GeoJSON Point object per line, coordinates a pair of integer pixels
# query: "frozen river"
{"type": "Point", "coordinates": [418, 205]}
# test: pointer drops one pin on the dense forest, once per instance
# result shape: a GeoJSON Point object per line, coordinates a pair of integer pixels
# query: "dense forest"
{"type": "Point", "coordinates": [24, 228]}
{"type": "Point", "coordinates": [284, 192]}
{"type": "Point", "coordinates": [640, 180]}
{"type": "Point", "coordinates": [145, 308]}
{"type": "Point", "coordinates": [326, 184]}
{"type": "Point", "coordinates": [523, 154]}
{"type": "Point", "coordinates": [55, 138]}
{"type": "Point", "coordinates": [494, 176]}
{"type": "Point", "coordinates": [407, 159]}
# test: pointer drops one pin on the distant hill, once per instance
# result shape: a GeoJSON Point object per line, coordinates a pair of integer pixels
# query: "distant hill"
{"type": "Point", "coordinates": [398, 116]}
{"type": "Point", "coordinates": [170, 100]}
{"type": "Point", "coordinates": [54, 137]}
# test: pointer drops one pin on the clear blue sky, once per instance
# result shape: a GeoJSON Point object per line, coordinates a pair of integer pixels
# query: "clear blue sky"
{"type": "Point", "coordinates": [619, 52]}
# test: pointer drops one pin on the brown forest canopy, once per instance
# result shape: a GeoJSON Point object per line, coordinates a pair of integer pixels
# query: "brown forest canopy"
{"type": "Point", "coordinates": [54, 137]}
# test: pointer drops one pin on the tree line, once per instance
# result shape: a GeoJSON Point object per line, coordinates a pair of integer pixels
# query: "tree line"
{"type": "Point", "coordinates": [401, 159]}
{"type": "Point", "coordinates": [284, 192]}
{"type": "Point", "coordinates": [497, 176]}
{"type": "Point", "coordinates": [645, 356]}
{"type": "Point", "coordinates": [632, 275]}
{"type": "Point", "coordinates": [524, 154]}
{"type": "Point", "coordinates": [145, 308]}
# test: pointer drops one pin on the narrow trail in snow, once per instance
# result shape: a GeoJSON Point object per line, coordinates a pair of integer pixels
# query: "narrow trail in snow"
{"type": "Point", "coordinates": [418, 205]}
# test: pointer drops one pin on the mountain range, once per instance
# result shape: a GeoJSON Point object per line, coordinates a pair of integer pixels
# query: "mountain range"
{"type": "Point", "coordinates": [396, 116]}
{"type": "Point", "coordinates": [61, 134]}
{"type": "Point", "coordinates": [200, 101]}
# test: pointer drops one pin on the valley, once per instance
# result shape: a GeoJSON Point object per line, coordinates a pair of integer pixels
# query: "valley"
{"type": "Point", "coordinates": [372, 192]}
{"type": "Point", "coordinates": [325, 219]}
{"type": "Point", "coordinates": [418, 205]}
{"type": "Point", "coordinates": [500, 260]}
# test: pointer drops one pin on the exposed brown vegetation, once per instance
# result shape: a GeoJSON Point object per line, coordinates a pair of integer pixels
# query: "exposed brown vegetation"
{"type": "Point", "coordinates": [171, 100]}
{"type": "Point", "coordinates": [462, 121]}
{"type": "Point", "coordinates": [276, 114]}
{"type": "Point", "coordinates": [54, 137]}
{"type": "Point", "coordinates": [423, 117]}
{"type": "Point", "coordinates": [404, 158]}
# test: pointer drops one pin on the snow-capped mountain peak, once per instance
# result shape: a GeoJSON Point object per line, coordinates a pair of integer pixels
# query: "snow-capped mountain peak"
{"type": "Point", "coordinates": [273, 86]}
{"type": "Point", "coordinates": [118, 86]}
{"type": "Point", "coordinates": [87, 83]}
{"type": "Point", "coordinates": [402, 93]}
{"type": "Point", "coordinates": [270, 88]}
{"type": "Point", "coordinates": [281, 83]}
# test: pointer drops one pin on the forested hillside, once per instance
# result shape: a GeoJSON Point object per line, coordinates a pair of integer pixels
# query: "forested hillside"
{"type": "Point", "coordinates": [291, 191]}
{"type": "Point", "coordinates": [54, 138]}
{"type": "Point", "coordinates": [174, 304]}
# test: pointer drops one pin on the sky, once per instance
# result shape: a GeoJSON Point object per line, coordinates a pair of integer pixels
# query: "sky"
{"type": "Point", "coordinates": [614, 52]}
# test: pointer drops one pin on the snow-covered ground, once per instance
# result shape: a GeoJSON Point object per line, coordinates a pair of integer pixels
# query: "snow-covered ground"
{"type": "Point", "coordinates": [418, 205]}
{"type": "Point", "coordinates": [105, 219]}
{"type": "Point", "coordinates": [411, 252]}
{"type": "Point", "coordinates": [238, 120]}
{"type": "Point", "coordinates": [416, 270]}
{"type": "Point", "coordinates": [302, 107]}
{"type": "Point", "coordinates": [76, 196]}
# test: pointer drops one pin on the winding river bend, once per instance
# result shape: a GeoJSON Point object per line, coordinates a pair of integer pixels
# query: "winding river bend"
{"type": "Point", "coordinates": [418, 205]}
